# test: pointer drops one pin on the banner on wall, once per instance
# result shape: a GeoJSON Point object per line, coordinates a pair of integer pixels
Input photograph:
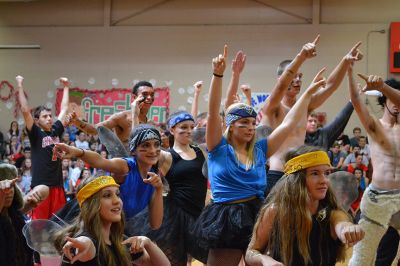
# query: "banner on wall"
{"type": "Point", "coordinates": [257, 102]}
{"type": "Point", "coordinates": [97, 105]}
{"type": "Point", "coordinates": [9, 95]}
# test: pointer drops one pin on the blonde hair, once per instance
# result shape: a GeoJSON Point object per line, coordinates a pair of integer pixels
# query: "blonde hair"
{"type": "Point", "coordinates": [250, 145]}
{"type": "Point", "coordinates": [89, 220]}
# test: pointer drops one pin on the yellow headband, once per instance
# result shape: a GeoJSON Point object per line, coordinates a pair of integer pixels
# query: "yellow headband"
{"type": "Point", "coordinates": [93, 186]}
{"type": "Point", "coordinates": [305, 161]}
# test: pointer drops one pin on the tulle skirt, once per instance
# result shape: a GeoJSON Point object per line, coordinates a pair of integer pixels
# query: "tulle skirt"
{"type": "Point", "coordinates": [226, 225]}
{"type": "Point", "coordinates": [173, 236]}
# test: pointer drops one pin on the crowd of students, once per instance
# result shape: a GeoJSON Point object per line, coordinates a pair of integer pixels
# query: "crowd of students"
{"type": "Point", "coordinates": [271, 199]}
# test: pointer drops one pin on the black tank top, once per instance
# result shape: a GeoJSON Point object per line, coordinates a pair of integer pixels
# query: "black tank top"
{"type": "Point", "coordinates": [188, 186]}
{"type": "Point", "coordinates": [323, 249]}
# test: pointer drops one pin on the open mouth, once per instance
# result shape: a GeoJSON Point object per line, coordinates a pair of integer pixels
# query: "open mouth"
{"type": "Point", "coordinates": [116, 210]}
{"type": "Point", "coordinates": [147, 101]}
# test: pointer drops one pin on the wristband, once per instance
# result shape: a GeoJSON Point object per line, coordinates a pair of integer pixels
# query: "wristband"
{"type": "Point", "coordinates": [218, 76]}
{"type": "Point", "coordinates": [83, 153]}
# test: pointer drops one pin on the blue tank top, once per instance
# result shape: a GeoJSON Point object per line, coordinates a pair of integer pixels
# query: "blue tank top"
{"type": "Point", "coordinates": [229, 178]}
{"type": "Point", "coordinates": [135, 194]}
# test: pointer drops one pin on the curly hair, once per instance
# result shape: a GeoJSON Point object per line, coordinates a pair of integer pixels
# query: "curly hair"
{"type": "Point", "coordinates": [392, 83]}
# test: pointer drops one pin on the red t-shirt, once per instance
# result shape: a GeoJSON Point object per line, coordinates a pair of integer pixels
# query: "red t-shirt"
{"type": "Point", "coordinates": [350, 168]}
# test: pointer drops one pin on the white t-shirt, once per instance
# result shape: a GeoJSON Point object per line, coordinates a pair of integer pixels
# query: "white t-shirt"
{"type": "Point", "coordinates": [82, 144]}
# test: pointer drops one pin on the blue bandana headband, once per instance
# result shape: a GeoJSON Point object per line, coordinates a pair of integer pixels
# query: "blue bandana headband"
{"type": "Point", "coordinates": [142, 136]}
{"type": "Point", "coordinates": [180, 118]}
{"type": "Point", "coordinates": [238, 113]}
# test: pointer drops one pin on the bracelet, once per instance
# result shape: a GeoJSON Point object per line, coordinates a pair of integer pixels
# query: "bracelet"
{"type": "Point", "coordinates": [218, 76]}
{"type": "Point", "coordinates": [83, 153]}
{"type": "Point", "coordinates": [255, 252]}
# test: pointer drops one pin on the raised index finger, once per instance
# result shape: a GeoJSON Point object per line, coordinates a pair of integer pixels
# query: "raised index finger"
{"type": "Point", "coordinates": [364, 77]}
{"type": "Point", "coordinates": [316, 39]}
{"type": "Point", "coordinates": [355, 47]}
{"type": "Point", "coordinates": [320, 72]}
{"type": "Point", "coordinates": [225, 51]}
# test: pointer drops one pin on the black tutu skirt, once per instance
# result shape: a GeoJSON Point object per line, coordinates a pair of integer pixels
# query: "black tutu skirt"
{"type": "Point", "coordinates": [173, 236]}
{"type": "Point", "coordinates": [226, 225]}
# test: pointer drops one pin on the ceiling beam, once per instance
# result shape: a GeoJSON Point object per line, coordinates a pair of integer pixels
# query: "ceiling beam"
{"type": "Point", "coordinates": [144, 10]}
{"type": "Point", "coordinates": [316, 12]}
{"type": "Point", "coordinates": [308, 20]}
{"type": "Point", "coordinates": [107, 13]}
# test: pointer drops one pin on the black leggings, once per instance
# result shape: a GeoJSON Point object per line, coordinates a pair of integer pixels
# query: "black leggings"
{"type": "Point", "coordinates": [387, 249]}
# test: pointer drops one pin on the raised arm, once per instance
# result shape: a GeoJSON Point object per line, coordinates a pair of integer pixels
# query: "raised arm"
{"type": "Point", "coordinates": [336, 127]}
{"type": "Point", "coordinates": [237, 67]}
{"type": "Point", "coordinates": [195, 105]}
{"type": "Point", "coordinates": [255, 254]}
{"type": "Point", "coordinates": [376, 83]}
{"type": "Point", "coordinates": [295, 114]}
{"type": "Point", "coordinates": [135, 110]}
{"type": "Point", "coordinates": [246, 92]}
{"type": "Point", "coordinates": [273, 103]}
{"type": "Point", "coordinates": [368, 121]}
{"type": "Point", "coordinates": [80, 124]}
{"type": "Point", "coordinates": [117, 166]}
{"type": "Point", "coordinates": [336, 77]}
{"type": "Point", "coordinates": [214, 127]}
{"type": "Point", "coordinates": [65, 99]}
{"type": "Point", "coordinates": [26, 112]}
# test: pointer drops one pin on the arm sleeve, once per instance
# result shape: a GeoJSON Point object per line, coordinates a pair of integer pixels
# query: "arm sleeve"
{"type": "Point", "coordinates": [220, 144]}
{"type": "Point", "coordinates": [33, 133]}
{"type": "Point", "coordinates": [263, 144]}
{"type": "Point", "coordinates": [58, 128]}
{"type": "Point", "coordinates": [336, 127]}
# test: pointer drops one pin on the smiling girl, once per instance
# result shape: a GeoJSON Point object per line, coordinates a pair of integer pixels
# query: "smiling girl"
{"type": "Point", "coordinates": [236, 169]}
{"type": "Point", "coordinates": [301, 223]}
{"type": "Point", "coordinates": [96, 237]}
{"type": "Point", "coordinates": [140, 185]}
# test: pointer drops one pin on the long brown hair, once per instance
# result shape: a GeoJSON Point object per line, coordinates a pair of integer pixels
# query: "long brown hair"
{"type": "Point", "coordinates": [89, 220]}
{"type": "Point", "coordinates": [293, 219]}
